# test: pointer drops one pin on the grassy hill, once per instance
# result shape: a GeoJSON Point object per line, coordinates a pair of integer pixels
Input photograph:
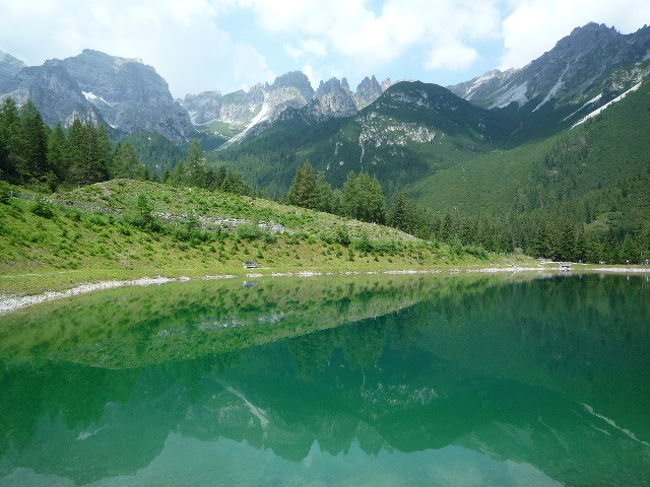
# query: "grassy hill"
{"type": "Point", "coordinates": [125, 229]}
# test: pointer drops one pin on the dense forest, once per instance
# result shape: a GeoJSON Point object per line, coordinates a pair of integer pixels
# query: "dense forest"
{"type": "Point", "coordinates": [33, 154]}
{"type": "Point", "coordinates": [45, 159]}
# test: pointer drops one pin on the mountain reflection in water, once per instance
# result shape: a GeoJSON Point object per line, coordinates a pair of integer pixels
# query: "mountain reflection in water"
{"type": "Point", "coordinates": [361, 381]}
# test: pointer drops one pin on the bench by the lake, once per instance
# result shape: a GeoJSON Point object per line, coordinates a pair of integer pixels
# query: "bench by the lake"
{"type": "Point", "coordinates": [565, 266]}
{"type": "Point", "coordinates": [252, 265]}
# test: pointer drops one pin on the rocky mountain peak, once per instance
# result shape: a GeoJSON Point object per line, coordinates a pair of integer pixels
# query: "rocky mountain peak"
{"type": "Point", "coordinates": [9, 65]}
{"type": "Point", "coordinates": [368, 91]}
{"type": "Point", "coordinates": [332, 85]}
{"type": "Point", "coordinates": [577, 64]}
{"type": "Point", "coordinates": [333, 100]}
{"type": "Point", "coordinates": [94, 86]}
{"type": "Point", "coordinates": [385, 84]}
{"type": "Point", "coordinates": [203, 107]}
{"type": "Point", "coordinates": [297, 80]}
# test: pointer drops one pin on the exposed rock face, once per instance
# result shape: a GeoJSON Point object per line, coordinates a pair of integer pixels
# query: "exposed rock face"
{"type": "Point", "coordinates": [51, 87]}
{"type": "Point", "coordinates": [295, 80]}
{"type": "Point", "coordinates": [9, 66]}
{"type": "Point", "coordinates": [333, 100]}
{"type": "Point", "coordinates": [387, 83]}
{"type": "Point", "coordinates": [126, 94]}
{"type": "Point", "coordinates": [290, 95]}
{"type": "Point", "coordinates": [130, 96]}
{"type": "Point", "coordinates": [368, 91]}
{"type": "Point", "coordinates": [576, 64]}
{"type": "Point", "coordinates": [203, 107]}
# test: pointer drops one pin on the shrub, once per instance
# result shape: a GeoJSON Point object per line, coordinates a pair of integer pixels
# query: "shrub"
{"type": "Point", "coordinates": [43, 208]}
{"type": "Point", "coordinates": [5, 193]}
{"type": "Point", "coordinates": [363, 244]}
{"type": "Point", "coordinates": [249, 232]}
{"type": "Point", "coordinates": [343, 236]}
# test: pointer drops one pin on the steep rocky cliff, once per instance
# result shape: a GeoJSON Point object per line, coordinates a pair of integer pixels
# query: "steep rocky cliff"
{"type": "Point", "coordinates": [124, 93]}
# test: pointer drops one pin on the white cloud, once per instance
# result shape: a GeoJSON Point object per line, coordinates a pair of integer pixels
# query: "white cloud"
{"type": "Point", "coordinates": [306, 47]}
{"type": "Point", "coordinates": [352, 29]}
{"type": "Point", "coordinates": [179, 38]}
{"type": "Point", "coordinates": [451, 56]}
{"type": "Point", "coordinates": [534, 26]}
{"type": "Point", "coordinates": [313, 75]}
{"type": "Point", "coordinates": [209, 44]}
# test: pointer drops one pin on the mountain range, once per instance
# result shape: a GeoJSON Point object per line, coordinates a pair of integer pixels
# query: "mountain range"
{"type": "Point", "coordinates": [240, 114]}
{"type": "Point", "coordinates": [413, 136]}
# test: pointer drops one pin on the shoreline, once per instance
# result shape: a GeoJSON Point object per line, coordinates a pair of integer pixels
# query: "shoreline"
{"type": "Point", "coordinates": [9, 303]}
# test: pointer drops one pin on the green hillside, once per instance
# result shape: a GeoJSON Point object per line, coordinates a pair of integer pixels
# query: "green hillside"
{"type": "Point", "coordinates": [126, 229]}
{"type": "Point", "coordinates": [590, 160]}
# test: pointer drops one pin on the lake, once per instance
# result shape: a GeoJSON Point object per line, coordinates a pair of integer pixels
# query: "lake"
{"type": "Point", "coordinates": [349, 381]}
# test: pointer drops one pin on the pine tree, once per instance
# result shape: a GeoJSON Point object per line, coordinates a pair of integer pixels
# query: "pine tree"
{"type": "Point", "coordinates": [629, 251]}
{"type": "Point", "coordinates": [76, 153]}
{"type": "Point", "coordinates": [304, 191]}
{"type": "Point", "coordinates": [89, 149]}
{"type": "Point", "coordinates": [58, 155]}
{"type": "Point", "coordinates": [100, 153]}
{"type": "Point", "coordinates": [33, 141]}
{"type": "Point", "coordinates": [362, 198]}
{"type": "Point", "coordinates": [9, 128]}
{"type": "Point", "coordinates": [234, 183]}
{"type": "Point", "coordinates": [328, 199]}
{"type": "Point", "coordinates": [220, 176]}
{"type": "Point", "coordinates": [4, 159]}
{"type": "Point", "coordinates": [125, 163]}
{"type": "Point", "coordinates": [403, 213]}
{"type": "Point", "coordinates": [196, 174]}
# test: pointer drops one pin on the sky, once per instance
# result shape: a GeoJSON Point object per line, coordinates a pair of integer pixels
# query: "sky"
{"type": "Point", "coordinates": [225, 45]}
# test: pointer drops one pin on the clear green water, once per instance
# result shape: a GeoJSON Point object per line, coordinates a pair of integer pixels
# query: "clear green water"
{"type": "Point", "coordinates": [377, 381]}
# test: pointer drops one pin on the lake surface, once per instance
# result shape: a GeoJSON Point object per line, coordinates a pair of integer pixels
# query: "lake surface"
{"type": "Point", "coordinates": [363, 381]}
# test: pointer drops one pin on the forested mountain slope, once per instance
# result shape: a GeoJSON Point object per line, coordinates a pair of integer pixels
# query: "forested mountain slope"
{"type": "Point", "coordinates": [412, 130]}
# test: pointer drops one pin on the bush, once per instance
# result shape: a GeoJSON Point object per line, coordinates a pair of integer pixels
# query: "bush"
{"type": "Point", "coordinates": [343, 236]}
{"type": "Point", "coordinates": [43, 208]}
{"type": "Point", "coordinates": [5, 193]}
{"type": "Point", "coordinates": [363, 244]}
{"type": "Point", "coordinates": [249, 232]}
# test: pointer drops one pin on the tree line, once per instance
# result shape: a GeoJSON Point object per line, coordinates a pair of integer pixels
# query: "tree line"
{"type": "Point", "coordinates": [31, 153]}
{"type": "Point", "coordinates": [564, 234]}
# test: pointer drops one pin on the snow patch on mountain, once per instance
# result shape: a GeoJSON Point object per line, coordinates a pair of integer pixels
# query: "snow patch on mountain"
{"type": "Point", "coordinates": [92, 98]}
{"type": "Point", "coordinates": [260, 117]}
{"type": "Point", "coordinates": [586, 104]}
{"type": "Point", "coordinates": [607, 105]}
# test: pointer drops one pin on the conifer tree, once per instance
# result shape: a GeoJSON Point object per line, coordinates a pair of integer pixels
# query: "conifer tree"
{"type": "Point", "coordinates": [125, 163]}
{"type": "Point", "coordinates": [76, 154]}
{"type": "Point", "coordinates": [234, 183]}
{"type": "Point", "coordinates": [33, 141]}
{"type": "Point", "coordinates": [629, 250]}
{"type": "Point", "coordinates": [58, 155]}
{"type": "Point", "coordinates": [9, 137]}
{"type": "Point", "coordinates": [362, 198]}
{"type": "Point", "coordinates": [403, 213]}
{"type": "Point", "coordinates": [304, 191]}
{"type": "Point", "coordinates": [328, 199]}
{"type": "Point", "coordinates": [89, 149]}
{"type": "Point", "coordinates": [196, 174]}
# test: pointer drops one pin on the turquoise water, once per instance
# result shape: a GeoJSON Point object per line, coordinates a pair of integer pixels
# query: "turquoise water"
{"type": "Point", "coordinates": [477, 381]}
